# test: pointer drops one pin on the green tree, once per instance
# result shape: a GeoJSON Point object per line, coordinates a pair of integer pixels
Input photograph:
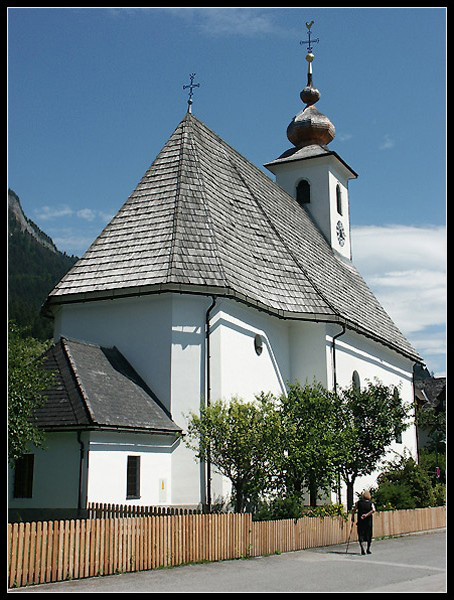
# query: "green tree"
{"type": "Point", "coordinates": [307, 448]}
{"type": "Point", "coordinates": [368, 420]}
{"type": "Point", "coordinates": [27, 380]}
{"type": "Point", "coordinates": [234, 437]}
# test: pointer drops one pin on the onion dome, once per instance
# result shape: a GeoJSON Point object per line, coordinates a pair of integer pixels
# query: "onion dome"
{"type": "Point", "coordinates": [310, 126]}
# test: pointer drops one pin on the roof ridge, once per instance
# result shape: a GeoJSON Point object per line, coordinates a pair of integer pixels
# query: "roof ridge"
{"type": "Point", "coordinates": [206, 207]}
{"type": "Point", "coordinates": [80, 385]}
{"type": "Point", "coordinates": [176, 203]}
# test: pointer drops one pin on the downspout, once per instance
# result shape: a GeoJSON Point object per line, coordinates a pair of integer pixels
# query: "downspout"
{"type": "Point", "coordinates": [208, 396]}
{"type": "Point", "coordinates": [335, 337]}
{"type": "Point", "coordinates": [81, 501]}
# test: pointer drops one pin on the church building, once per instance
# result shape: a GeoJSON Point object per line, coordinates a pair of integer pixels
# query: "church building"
{"type": "Point", "coordinates": [212, 280]}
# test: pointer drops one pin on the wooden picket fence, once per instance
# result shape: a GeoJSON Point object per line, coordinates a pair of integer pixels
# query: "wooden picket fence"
{"type": "Point", "coordinates": [43, 552]}
{"type": "Point", "coordinates": [102, 510]}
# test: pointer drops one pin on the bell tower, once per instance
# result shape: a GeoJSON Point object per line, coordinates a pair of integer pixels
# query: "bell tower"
{"type": "Point", "coordinates": [313, 174]}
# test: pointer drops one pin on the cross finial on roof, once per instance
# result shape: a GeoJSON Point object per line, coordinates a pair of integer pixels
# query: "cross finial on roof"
{"type": "Point", "coordinates": [191, 87]}
{"type": "Point", "coordinates": [309, 42]}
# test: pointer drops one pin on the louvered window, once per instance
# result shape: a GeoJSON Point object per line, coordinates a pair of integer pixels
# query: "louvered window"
{"type": "Point", "coordinates": [23, 476]}
{"type": "Point", "coordinates": [133, 477]}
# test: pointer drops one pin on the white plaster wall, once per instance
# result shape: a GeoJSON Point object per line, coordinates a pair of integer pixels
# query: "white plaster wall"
{"type": "Point", "coordinates": [323, 174]}
{"type": "Point", "coordinates": [107, 467]}
{"type": "Point", "coordinates": [164, 339]}
{"type": "Point", "coordinates": [335, 179]}
{"type": "Point", "coordinates": [307, 346]}
{"type": "Point", "coordinates": [315, 171]}
{"type": "Point", "coordinates": [139, 327]}
{"type": "Point", "coordinates": [187, 390]}
{"type": "Point", "coordinates": [235, 368]}
{"type": "Point", "coordinates": [238, 370]}
{"type": "Point", "coordinates": [55, 474]}
{"type": "Point", "coordinates": [372, 360]}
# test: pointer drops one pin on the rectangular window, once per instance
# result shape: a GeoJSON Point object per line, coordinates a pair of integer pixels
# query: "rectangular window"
{"type": "Point", "coordinates": [23, 476]}
{"type": "Point", "coordinates": [133, 477]}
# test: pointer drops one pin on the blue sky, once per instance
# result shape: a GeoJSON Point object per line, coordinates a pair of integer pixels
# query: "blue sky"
{"type": "Point", "coordinates": [94, 94]}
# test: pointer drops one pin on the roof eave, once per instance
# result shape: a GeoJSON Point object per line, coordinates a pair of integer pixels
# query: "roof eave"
{"type": "Point", "coordinates": [322, 154]}
{"type": "Point", "coordinates": [225, 292]}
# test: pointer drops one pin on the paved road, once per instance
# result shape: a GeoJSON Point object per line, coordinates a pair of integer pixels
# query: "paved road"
{"type": "Point", "coordinates": [415, 563]}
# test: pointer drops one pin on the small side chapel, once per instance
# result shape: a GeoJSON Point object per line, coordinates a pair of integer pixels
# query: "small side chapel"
{"type": "Point", "coordinates": [212, 280]}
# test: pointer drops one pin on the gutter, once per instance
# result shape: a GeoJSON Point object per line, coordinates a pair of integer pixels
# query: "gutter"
{"type": "Point", "coordinates": [233, 295]}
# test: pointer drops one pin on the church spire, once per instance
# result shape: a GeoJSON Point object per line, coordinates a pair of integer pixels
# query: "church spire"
{"type": "Point", "coordinates": [310, 126]}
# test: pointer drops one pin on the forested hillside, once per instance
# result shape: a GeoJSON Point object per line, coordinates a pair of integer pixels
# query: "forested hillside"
{"type": "Point", "coordinates": [34, 267]}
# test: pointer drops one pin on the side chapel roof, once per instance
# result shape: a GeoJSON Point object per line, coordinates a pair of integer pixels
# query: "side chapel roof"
{"type": "Point", "coordinates": [96, 388]}
{"type": "Point", "coordinates": [203, 219]}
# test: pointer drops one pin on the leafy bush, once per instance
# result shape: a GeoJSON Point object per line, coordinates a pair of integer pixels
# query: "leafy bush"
{"type": "Point", "coordinates": [327, 510]}
{"type": "Point", "coordinates": [440, 494]}
{"type": "Point", "coordinates": [403, 485]}
{"type": "Point", "coordinates": [429, 461]}
{"type": "Point", "coordinates": [292, 507]}
{"type": "Point", "coordinates": [391, 495]}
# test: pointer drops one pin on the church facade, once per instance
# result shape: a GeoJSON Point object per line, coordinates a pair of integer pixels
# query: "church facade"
{"type": "Point", "coordinates": [212, 280]}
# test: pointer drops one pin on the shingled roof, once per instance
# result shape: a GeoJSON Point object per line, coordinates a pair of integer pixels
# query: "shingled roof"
{"type": "Point", "coordinates": [97, 388]}
{"type": "Point", "coordinates": [203, 219]}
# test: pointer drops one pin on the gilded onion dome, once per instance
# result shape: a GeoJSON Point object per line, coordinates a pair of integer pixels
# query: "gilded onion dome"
{"type": "Point", "coordinates": [310, 126]}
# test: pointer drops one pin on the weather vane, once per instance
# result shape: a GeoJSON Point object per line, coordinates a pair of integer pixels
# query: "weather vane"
{"type": "Point", "coordinates": [309, 41]}
{"type": "Point", "coordinates": [191, 87]}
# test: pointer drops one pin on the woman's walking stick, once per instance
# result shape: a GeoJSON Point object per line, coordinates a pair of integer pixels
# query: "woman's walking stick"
{"type": "Point", "coordinates": [349, 536]}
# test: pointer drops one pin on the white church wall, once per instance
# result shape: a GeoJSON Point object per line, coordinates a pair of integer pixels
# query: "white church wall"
{"type": "Point", "coordinates": [187, 390]}
{"type": "Point", "coordinates": [140, 327]}
{"type": "Point", "coordinates": [239, 370]}
{"type": "Point", "coordinates": [373, 361]}
{"type": "Point", "coordinates": [307, 341]}
{"type": "Point", "coordinates": [336, 179]}
{"type": "Point", "coordinates": [315, 172]}
{"type": "Point", "coordinates": [55, 474]}
{"type": "Point", "coordinates": [163, 337]}
{"type": "Point", "coordinates": [107, 467]}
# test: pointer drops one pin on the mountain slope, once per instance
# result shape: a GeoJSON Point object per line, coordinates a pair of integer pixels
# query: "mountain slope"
{"type": "Point", "coordinates": [34, 267]}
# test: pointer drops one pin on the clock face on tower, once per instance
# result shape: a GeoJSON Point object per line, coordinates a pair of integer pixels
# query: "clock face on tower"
{"type": "Point", "coordinates": [340, 233]}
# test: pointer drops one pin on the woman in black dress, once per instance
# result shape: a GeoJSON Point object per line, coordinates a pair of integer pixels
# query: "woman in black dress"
{"type": "Point", "coordinates": [365, 510]}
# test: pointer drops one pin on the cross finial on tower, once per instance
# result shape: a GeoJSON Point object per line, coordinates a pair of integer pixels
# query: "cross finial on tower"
{"type": "Point", "coordinates": [191, 87]}
{"type": "Point", "coordinates": [309, 41]}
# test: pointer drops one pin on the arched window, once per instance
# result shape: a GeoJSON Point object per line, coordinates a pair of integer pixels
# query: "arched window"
{"type": "Point", "coordinates": [338, 199]}
{"type": "Point", "coordinates": [303, 192]}
{"type": "Point", "coordinates": [356, 382]}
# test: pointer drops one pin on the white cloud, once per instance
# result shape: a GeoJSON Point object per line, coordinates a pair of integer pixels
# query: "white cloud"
{"type": "Point", "coordinates": [217, 21]}
{"type": "Point", "coordinates": [46, 213]}
{"type": "Point", "coordinates": [344, 137]}
{"type": "Point", "coordinates": [406, 269]}
{"type": "Point", "coordinates": [87, 214]}
{"type": "Point", "coordinates": [387, 142]}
